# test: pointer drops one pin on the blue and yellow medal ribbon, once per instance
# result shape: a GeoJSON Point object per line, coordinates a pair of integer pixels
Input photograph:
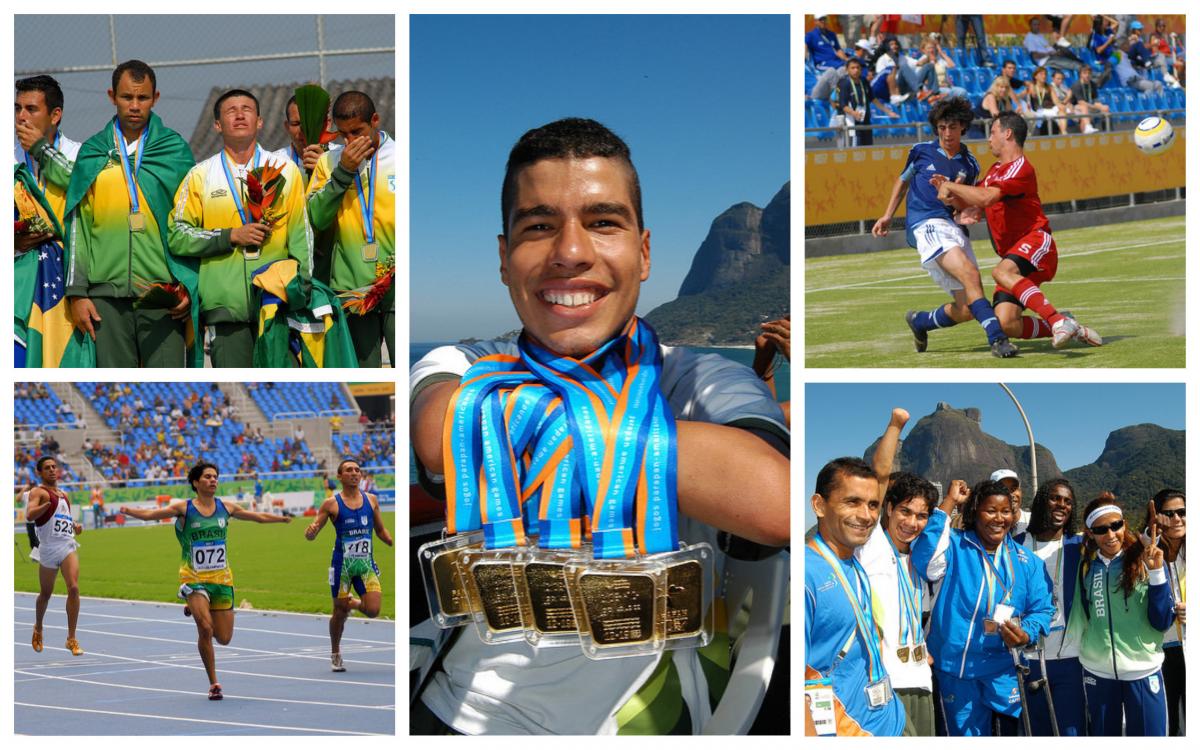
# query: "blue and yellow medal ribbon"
{"type": "Point", "coordinates": [366, 203]}
{"type": "Point", "coordinates": [234, 191]}
{"type": "Point", "coordinates": [864, 618]}
{"type": "Point", "coordinates": [910, 602]}
{"type": "Point", "coordinates": [130, 174]}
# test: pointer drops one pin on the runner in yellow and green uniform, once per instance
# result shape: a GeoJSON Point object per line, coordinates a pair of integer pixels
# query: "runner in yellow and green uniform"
{"type": "Point", "coordinates": [205, 578]}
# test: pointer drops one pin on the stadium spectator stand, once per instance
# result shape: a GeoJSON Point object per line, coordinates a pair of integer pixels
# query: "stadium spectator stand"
{"type": "Point", "coordinates": [35, 405]}
{"type": "Point", "coordinates": [293, 399]}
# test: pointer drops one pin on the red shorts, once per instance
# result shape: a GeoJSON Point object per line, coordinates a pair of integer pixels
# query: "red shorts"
{"type": "Point", "coordinates": [1036, 256]}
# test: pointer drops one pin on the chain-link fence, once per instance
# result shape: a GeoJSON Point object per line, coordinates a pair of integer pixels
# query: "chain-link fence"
{"type": "Point", "coordinates": [195, 57]}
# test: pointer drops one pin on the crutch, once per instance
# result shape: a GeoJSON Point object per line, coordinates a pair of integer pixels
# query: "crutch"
{"type": "Point", "coordinates": [1043, 683]}
{"type": "Point", "coordinates": [1022, 670]}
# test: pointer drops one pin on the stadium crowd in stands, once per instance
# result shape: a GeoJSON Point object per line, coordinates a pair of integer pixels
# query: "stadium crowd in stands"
{"type": "Point", "coordinates": [1124, 71]}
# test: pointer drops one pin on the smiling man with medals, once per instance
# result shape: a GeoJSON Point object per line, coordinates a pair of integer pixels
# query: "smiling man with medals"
{"type": "Point", "coordinates": [907, 502]}
{"type": "Point", "coordinates": [353, 190]}
{"type": "Point", "coordinates": [215, 221]}
{"type": "Point", "coordinates": [995, 596]}
{"type": "Point", "coordinates": [847, 690]}
{"type": "Point", "coordinates": [118, 214]}
{"type": "Point", "coordinates": [585, 430]}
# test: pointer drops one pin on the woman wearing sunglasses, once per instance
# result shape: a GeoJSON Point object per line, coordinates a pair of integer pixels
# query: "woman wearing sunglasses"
{"type": "Point", "coordinates": [1123, 604]}
{"type": "Point", "coordinates": [1172, 525]}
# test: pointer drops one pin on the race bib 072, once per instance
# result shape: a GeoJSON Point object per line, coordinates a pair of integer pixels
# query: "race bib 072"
{"type": "Point", "coordinates": [208, 556]}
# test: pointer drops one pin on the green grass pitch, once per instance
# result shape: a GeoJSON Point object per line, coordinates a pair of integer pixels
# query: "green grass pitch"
{"type": "Point", "coordinates": [274, 567]}
{"type": "Point", "coordinates": [1126, 281]}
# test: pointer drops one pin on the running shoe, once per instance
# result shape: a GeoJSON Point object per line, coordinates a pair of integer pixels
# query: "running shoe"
{"type": "Point", "coordinates": [37, 640]}
{"type": "Point", "coordinates": [1063, 331]}
{"type": "Point", "coordinates": [335, 662]}
{"type": "Point", "coordinates": [1088, 336]}
{"type": "Point", "coordinates": [1003, 348]}
{"type": "Point", "coordinates": [73, 647]}
{"type": "Point", "coordinates": [920, 338]}
{"type": "Point", "coordinates": [214, 692]}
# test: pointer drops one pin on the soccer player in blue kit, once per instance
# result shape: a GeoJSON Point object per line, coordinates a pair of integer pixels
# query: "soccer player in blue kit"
{"type": "Point", "coordinates": [934, 229]}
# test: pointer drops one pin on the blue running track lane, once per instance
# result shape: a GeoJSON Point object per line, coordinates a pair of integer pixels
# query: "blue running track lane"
{"type": "Point", "coordinates": [141, 674]}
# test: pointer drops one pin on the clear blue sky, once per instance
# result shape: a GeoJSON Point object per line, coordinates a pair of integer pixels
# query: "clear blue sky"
{"type": "Point", "coordinates": [1072, 420]}
{"type": "Point", "coordinates": [701, 100]}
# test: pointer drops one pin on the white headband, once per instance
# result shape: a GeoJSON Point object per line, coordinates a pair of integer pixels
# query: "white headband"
{"type": "Point", "coordinates": [1102, 510]}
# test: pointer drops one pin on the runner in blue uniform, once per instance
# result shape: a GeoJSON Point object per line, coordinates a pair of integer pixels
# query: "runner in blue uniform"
{"type": "Point", "coordinates": [355, 516]}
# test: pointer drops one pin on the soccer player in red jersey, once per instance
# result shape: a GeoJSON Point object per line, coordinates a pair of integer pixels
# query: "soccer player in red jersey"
{"type": "Point", "coordinates": [1021, 236]}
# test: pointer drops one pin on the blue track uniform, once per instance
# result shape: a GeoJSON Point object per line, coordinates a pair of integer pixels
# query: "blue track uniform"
{"type": "Point", "coordinates": [1061, 559]}
{"type": "Point", "coordinates": [353, 562]}
{"type": "Point", "coordinates": [834, 648]}
{"type": "Point", "coordinates": [975, 669]}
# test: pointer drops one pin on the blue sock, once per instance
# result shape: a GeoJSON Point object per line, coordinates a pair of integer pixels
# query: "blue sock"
{"type": "Point", "coordinates": [936, 318]}
{"type": "Point", "coordinates": [983, 312]}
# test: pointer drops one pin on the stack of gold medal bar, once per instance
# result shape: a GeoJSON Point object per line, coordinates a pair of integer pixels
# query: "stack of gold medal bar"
{"type": "Point", "coordinates": [550, 597]}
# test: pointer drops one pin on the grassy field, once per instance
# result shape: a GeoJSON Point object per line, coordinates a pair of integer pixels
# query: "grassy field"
{"type": "Point", "coordinates": [1126, 281]}
{"type": "Point", "coordinates": [274, 567]}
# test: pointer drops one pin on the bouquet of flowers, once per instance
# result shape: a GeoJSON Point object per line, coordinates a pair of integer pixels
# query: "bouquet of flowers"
{"type": "Point", "coordinates": [159, 295]}
{"type": "Point", "coordinates": [29, 220]}
{"type": "Point", "coordinates": [365, 299]}
{"type": "Point", "coordinates": [264, 189]}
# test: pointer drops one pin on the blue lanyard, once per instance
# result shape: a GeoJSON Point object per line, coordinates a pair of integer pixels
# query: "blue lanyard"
{"type": "Point", "coordinates": [36, 171]}
{"type": "Point", "coordinates": [234, 190]}
{"type": "Point", "coordinates": [910, 600]}
{"type": "Point", "coordinates": [993, 575]}
{"type": "Point", "coordinates": [365, 205]}
{"type": "Point", "coordinates": [296, 158]}
{"type": "Point", "coordinates": [130, 175]}
{"type": "Point", "coordinates": [864, 617]}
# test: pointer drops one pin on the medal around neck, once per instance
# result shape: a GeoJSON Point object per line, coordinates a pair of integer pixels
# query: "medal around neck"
{"type": "Point", "coordinates": [445, 586]}
{"type": "Point", "coordinates": [620, 605]}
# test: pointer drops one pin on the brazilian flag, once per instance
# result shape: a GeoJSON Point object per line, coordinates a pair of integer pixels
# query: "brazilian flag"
{"type": "Point", "coordinates": [42, 323]}
{"type": "Point", "coordinates": [300, 321]}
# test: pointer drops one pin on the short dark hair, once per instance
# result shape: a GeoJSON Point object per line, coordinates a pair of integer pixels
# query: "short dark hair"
{"type": "Point", "coordinates": [1008, 62]}
{"type": "Point", "coordinates": [904, 486]}
{"type": "Point", "coordinates": [1166, 494]}
{"type": "Point", "coordinates": [353, 105]}
{"type": "Point", "coordinates": [197, 471]}
{"type": "Point", "coordinates": [1039, 512]}
{"type": "Point", "coordinates": [854, 61]}
{"type": "Point", "coordinates": [291, 100]}
{"type": "Point", "coordinates": [137, 70]}
{"type": "Point", "coordinates": [41, 461]}
{"type": "Point", "coordinates": [853, 466]}
{"type": "Point", "coordinates": [1014, 122]}
{"type": "Point", "coordinates": [954, 109]}
{"type": "Point", "coordinates": [985, 489]}
{"type": "Point", "coordinates": [229, 95]}
{"type": "Point", "coordinates": [568, 138]}
{"type": "Point", "coordinates": [348, 461]}
{"type": "Point", "coordinates": [45, 84]}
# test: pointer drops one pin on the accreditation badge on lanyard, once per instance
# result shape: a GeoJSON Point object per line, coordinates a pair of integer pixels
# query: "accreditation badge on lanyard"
{"type": "Point", "coordinates": [366, 206]}
{"type": "Point", "coordinates": [879, 686]}
{"type": "Point", "coordinates": [137, 219]}
{"type": "Point", "coordinates": [999, 612]}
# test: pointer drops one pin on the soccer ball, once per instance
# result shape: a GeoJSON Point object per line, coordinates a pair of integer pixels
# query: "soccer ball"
{"type": "Point", "coordinates": [1154, 135]}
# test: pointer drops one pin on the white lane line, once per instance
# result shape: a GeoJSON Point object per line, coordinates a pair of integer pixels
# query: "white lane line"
{"type": "Point", "coordinates": [209, 722]}
{"type": "Point", "coordinates": [190, 623]}
{"type": "Point", "coordinates": [256, 611]}
{"type": "Point", "coordinates": [984, 266]}
{"type": "Point", "coordinates": [176, 641]}
{"type": "Point", "coordinates": [197, 693]}
{"type": "Point", "coordinates": [231, 671]}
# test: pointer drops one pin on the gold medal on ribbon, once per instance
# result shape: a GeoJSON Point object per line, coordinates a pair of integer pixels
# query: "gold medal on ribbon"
{"type": "Point", "coordinates": [370, 252]}
{"type": "Point", "coordinates": [918, 654]}
{"type": "Point", "coordinates": [137, 222]}
{"type": "Point", "coordinates": [448, 585]}
{"type": "Point", "coordinates": [450, 603]}
{"type": "Point", "coordinates": [685, 599]}
{"type": "Point", "coordinates": [619, 607]}
{"type": "Point", "coordinates": [902, 654]}
{"type": "Point", "coordinates": [549, 603]}
{"type": "Point", "coordinates": [496, 588]}
{"type": "Point", "coordinates": [252, 253]}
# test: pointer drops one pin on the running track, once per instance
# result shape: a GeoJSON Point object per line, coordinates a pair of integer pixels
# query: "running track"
{"type": "Point", "coordinates": [141, 674]}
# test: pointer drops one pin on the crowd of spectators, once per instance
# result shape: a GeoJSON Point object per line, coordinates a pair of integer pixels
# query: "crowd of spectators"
{"type": "Point", "coordinates": [1058, 89]}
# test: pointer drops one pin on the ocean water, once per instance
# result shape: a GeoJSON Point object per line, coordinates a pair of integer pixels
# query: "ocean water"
{"type": "Point", "coordinates": [783, 373]}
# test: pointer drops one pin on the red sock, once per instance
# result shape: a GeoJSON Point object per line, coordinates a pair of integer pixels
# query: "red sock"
{"type": "Point", "coordinates": [1033, 299]}
{"type": "Point", "coordinates": [1034, 328]}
